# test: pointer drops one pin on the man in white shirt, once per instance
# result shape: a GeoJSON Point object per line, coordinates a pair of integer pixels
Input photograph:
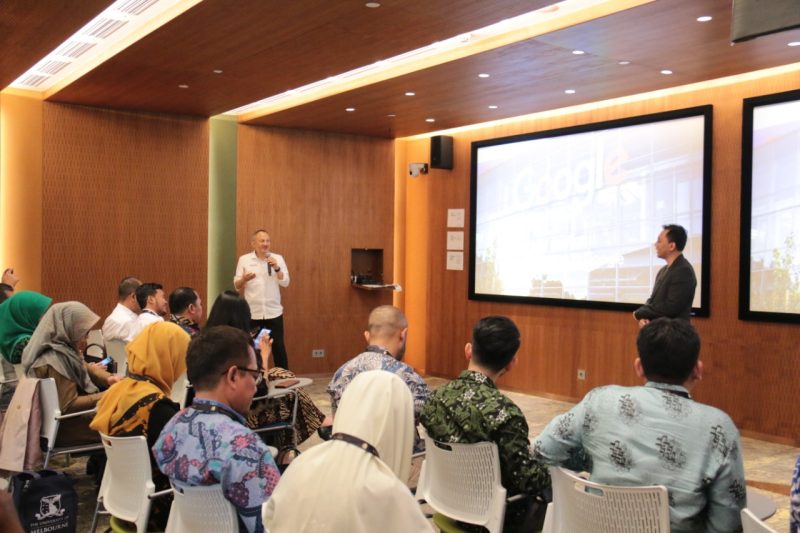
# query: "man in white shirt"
{"type": "Point", "coordinates": [151, 299]}
{"type": "Point", "coordinates": [117, 325]}
{"type": "Point", "coordinates": [259, 276]}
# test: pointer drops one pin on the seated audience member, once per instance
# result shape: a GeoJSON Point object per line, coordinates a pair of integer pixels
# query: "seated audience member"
{"type": "Point", "coordinates": [355, 482]}
{"type": "Point", "coordinates": [657, 435]}
{"type": "Point", "coordinates": [55, 351]}
{"type": "Point", "coordinates": [230, 309]}
{"type": "Point", "coordinates": [207, 443]}
{"type": "Point", "coordinates": [8, 284]}
{"type": "Point", "coordinates": [140, 403]}
{"type": "Point", "coordinates": [471, 409]}
{"type": "Point", "coordinates": [150, 297]}
{"type": "Point", "coordinates": [117, 325]}
{"type": "Point", "coordinates": [186, 309]}
{"type": "Point", "coordinates": [794, 503]}
{"type": "Point", "coordinates": [387, 329]}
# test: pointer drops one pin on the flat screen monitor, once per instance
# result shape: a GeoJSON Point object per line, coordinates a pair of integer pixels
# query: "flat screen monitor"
{"type": "Point", "coordinates": [770, 240]}
{"type": "Point", "coordinates": [569, 217]}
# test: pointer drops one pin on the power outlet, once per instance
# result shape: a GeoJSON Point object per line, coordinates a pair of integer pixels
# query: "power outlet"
{"type": "Point", "coordinates": [317, 353]}
{"type": "Point", "coordinates": [581, 374]}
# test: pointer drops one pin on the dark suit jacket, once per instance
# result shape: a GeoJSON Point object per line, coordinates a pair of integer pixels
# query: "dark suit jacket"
{"type": "Point", "coordinates": [672, 294]}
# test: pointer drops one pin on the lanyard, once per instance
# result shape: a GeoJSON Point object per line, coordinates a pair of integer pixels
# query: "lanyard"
{"type": "Point", "coordinates": [355, 441]}
{"type": "Point", "coordinates": [374, 348]}
{"type": "Point", "coordinates": [209, 408]}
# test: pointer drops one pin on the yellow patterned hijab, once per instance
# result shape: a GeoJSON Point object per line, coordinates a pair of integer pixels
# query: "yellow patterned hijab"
{"type": "Point", "coordinates": [156, 359]}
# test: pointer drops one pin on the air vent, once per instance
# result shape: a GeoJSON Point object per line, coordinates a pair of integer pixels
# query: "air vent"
{"type": "Point", "coordinates": [105, 27]}
{"type": "Point", "coordinates": [34, 80]}
{"type": "Point", "coordinates": [136, 7]}
{"type": "Point", "coordinates": [52, 67]}
{"type": "Point", "coordinates": [73, 49]}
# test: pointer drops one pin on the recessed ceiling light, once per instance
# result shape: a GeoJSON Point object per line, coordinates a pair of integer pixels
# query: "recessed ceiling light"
{"type": "Point", "coordinates": [350, 109]}
{"type": "Point", "coordinates": [623, 62]}
{"type": "Point", "coordinates": [569, 91]}
{"type": "Point", "coordinates": [409, 93]}
{"type": "Point", "coordinates": [666, 72]}
{"type": "Point", "coordinates": [430, 120]}
{"type": "Point", "coordinates": [794, 43]}
{"type": "Point", "coordinates": [483, 75]}
{"type": "Point", "coordinates": [217, 71]}
{"type": "Point", "coordinates": [183, 86]}
{"type": "Point", "coordinates": [578, 52]}
{"type": "Point", "coordinates": [391, 115]}
{"type": "Point", "coordinates": [492, 107]}
{"type": "Point", "coordinates": [704, 18]}
{"type": "Point", "coordinates": [373, 4]}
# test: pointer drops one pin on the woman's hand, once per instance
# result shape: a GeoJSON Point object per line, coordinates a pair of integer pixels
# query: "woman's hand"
{"type": "Point", "coordinates": [266, 351]}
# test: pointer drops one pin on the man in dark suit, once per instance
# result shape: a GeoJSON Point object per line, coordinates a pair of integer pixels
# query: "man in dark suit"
{"type": "Point", "coordinates": [673, 291]}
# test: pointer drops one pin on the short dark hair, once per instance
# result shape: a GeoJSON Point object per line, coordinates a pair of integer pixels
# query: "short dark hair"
{"type": "Point", "coordinates": [181, 298]}
{"type": "Point", "coordinates": [230, 309]}
{"type": "Point", "coordinates": [668, 349]}
{"type": "Point", "coordinates": [5, 289]}
{"type": "Point", "coordinates": [127, 286]}
{"type": "Point", "coordinates": [214, 350]}
{"type": "Point", "coordinates": [145, 290]}
{"type": "Point", "coordinates": [495, 341]}
{"type": "Point", "coordinates": [676, 234]}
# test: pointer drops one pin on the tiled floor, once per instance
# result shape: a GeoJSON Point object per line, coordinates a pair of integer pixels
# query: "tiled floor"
{"type": "Point", "coordinates": [765, 462]}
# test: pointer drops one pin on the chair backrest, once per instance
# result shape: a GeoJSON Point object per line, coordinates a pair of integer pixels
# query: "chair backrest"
{"type": "Point", "coordinates": [201, 509]}
{"type": "Point", "coordinates": [581, 505]}
{"type": "Point", "coordinates": [48, 399]}
{"type": "Point", "coordinates": [127, 481]}
{"type": "Point", "coordinates": [115, 349]}
{"type": "Point", "coordinates": [178, 394]}
{"type": "Point", "coordinates": [95, 337]}
{"type": "Point", "coordinates": [462, 481]}
{"type": "Point", "coordinates": [751, 523]}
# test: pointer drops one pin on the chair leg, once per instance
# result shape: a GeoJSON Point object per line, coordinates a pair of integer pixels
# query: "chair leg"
{"type": "Point", "coordinates": [96, 513]}
{"type": "Point", "coordinates": [47, 459]}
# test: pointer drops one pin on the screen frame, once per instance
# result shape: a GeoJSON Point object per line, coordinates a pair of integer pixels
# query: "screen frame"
{"type": "Point", "coordinates": [705, 111]}
{"type": "Point", "coordinates": [748, 107]}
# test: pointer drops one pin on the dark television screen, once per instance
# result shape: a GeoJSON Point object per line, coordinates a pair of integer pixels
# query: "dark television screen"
{"type": "Point", "coordinates": [569, 216]}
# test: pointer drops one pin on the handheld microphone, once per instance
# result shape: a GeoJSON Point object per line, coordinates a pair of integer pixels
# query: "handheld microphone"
{"type": "Point", "coordinates": [269, 265]}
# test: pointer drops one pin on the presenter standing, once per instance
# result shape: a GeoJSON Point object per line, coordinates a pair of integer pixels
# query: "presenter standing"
{"type": "Point", "coordinates": [673, 290]}
{"type": "Point", "coordinates": [259, 276]}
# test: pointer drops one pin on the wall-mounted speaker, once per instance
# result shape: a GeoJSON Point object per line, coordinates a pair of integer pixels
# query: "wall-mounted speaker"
{"type": "Point", "coordinates": [442, 152]}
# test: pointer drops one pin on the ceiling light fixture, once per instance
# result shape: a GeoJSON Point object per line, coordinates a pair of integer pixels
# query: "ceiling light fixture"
{"type": "Point", "coordinates": [373, 4]}
{"type": "Point", "coordinates": [578, 52]}
{"type": "Point", "coordinates": [217, 71]}
{"type": "Point", "coordinates": [704, 18]}
{"type": "Point", "coordinates": [492, 107]}
{"type": "Point", "coordinates": [503, 33]}
{"type": "Point", "coordinates": [350, 109]}
{"type": "Point", "coordinates": [483, 75]}
{"type": "Point", "coordinates": [666, 72]}
{"type": "Point", "coordinates": [409, 93]}
{"type": "Point", "coordinates": [183, 86]}
{"type": "Point", "coordinates": [623, 62]}
{"type": "Point", "coordinates": [391, 115]}
{"type": "Point", "coordinates": [430, 120]}
{"type": "Point", "coordinates": [569, 91]}
{"type": "Point", "coordinates": [794, 43]}
{"type": "Point", "coordinates": [114, 29]}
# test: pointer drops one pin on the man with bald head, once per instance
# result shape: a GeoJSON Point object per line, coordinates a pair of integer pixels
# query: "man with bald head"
{"type": "Point", "coordinates": [387, 330]}
{"type": "Point", "coordinates": [119, 323]}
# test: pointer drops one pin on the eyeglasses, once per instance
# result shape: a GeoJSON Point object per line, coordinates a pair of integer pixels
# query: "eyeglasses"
{"type": "Point", "coordinates": [258, 376]}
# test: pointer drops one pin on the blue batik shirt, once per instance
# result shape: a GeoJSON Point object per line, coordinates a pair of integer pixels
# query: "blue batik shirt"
{"type": "Point", "coordinates": [655, 435]}
{"type": "Point", "coordinates": [198, 447]}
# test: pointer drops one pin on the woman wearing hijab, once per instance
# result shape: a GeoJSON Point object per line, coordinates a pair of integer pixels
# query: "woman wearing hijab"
{"type": "Point", "coordinates": [230, 309]}
{"type": "Point", "coordinates": [140, 403]}
{"type": "Point", "coordinates": [55, 351]}
{"type": "Point", "coordinates": [355, 482]}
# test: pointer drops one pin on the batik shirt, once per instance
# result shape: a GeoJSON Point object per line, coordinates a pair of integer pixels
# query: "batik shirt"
{"type": "Point", "coordinates": [655, 435]}
{"type": "Point", "coordinates": [189, 326]}
{"type": "Point", "coordinates": [794, 504]}
{"type": "Point", "coordinates": [205, 448]}
{"type": "Point", "coordinates": [471, 409]}
{"type": "Point", "coordinates": [380, 359]}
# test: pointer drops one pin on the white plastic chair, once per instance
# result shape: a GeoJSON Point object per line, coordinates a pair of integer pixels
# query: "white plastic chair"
{"type": "Point", "coordinates": [127, 490]}
{"type": "Point", "coordinates": [581, 505]}
{"type": "Point", "coordinates": [52, 417]}
{"type": "Point", "coordinates": [179, 390]}
{"type": "Point", "coordinates": [751, 523]}
{"type": "Point", "coordinates": [462, 482]}
{"type": "Point", "coordinates": [116, 350]}
{"type": "Point", "coordinates": [201, 509]}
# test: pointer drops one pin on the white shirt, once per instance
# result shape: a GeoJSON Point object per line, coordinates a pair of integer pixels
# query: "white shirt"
{"type": "Point", "coordinates": [263, 292]}
{"type": "Point", "coordinates": [118, 323]}
{"type": "Point", "coordinates": [142, 321]}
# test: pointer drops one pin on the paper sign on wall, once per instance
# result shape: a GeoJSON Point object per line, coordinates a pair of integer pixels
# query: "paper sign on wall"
{"type": "Point", "coordinates": [455, 260]}
{"type": "Point", "coordinates": [455, 240]}
{"type": "Point", "coordinates": [455, 218]}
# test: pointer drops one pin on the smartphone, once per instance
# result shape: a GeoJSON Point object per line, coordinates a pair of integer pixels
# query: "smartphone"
{"type": "Point", "coordinates": [106, 361]}
{"type": "Point", "coordinates": [257, 340]}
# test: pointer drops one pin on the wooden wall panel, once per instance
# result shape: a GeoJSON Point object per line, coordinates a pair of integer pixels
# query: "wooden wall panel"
{"type": "Point", "coordinates": [123, 194]}
{"type": "Point", "coordinates": [319, 195]}
{"type": "Point", "coordinates": [751, 369]}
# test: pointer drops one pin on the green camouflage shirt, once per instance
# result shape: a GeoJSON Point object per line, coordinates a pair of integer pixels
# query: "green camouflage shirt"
{"type": "Point", "coordinates": [471, 409]}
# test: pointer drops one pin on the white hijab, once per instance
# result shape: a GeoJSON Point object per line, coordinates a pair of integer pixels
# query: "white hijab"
{"type": "Point", "coordinates": [338, 487]}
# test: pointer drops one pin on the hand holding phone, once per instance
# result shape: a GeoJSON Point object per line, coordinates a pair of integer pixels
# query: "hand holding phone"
{"type": "Point", "coordinates": [261, 334]}
{"type": "Point", "coordinates": [106, 361]}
